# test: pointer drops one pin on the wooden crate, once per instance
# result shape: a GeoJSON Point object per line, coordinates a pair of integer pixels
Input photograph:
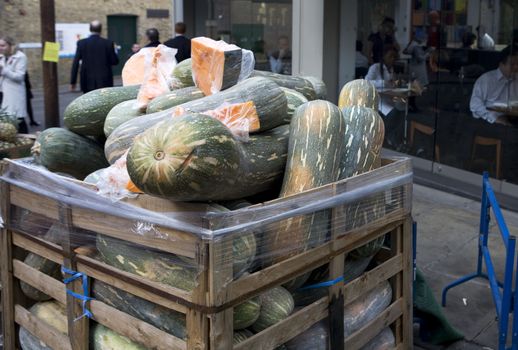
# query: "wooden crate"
{"type": "Point", "coordinates": [208, 308]}
{"type": "Point", "coordinates": [19, 151]}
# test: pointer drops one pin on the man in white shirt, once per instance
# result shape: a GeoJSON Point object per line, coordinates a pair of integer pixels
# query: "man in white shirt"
{"type": "Point", "coordinates": [496, 86]}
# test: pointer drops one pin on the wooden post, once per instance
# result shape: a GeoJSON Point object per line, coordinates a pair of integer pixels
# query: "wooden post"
{"type": "Point", "coordinates": [396, 247]}
{"type": "Point", "coordinates": [6, 268]}
{"type": "Point", "coordinates": [78, 329]}
{"type": "Point", "coordinates": [220, 274]}
{"type": "Point", "coordinates": [50, 69]}
{"type": "Point", "coordinates": [408, 277]}
{"type": "Point", "coordinates": [197, 322]}
{"type": "Point", "coordinates": [336, 292]}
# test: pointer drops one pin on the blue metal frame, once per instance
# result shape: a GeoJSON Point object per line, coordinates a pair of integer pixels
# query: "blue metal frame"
{"type": "Point", "coordinates": [503, 300]}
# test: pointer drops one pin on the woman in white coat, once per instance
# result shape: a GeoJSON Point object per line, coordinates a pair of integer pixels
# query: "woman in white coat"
{"type": "Point", "coordinates": [13, 66]}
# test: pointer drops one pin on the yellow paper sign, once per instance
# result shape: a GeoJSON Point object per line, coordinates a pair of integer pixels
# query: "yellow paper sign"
{"type": "Point", "coordinates": [51, 52]}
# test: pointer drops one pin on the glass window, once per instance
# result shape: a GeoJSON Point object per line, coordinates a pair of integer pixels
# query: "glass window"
{"type": "Point", "coordinates": [265, 27]}
{"type": "Point", "coordinates": [449, 92]}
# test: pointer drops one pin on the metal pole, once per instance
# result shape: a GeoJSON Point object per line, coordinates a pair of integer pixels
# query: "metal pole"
{"type": "Point", "coordinates": [50, 69]}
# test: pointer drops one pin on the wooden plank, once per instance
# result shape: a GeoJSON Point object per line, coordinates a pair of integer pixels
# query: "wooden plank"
{"type": "Point", "coordinates": [40, 281]}
{"type": "Point", "coordinates": [396, 247]}
{"type": "Point", "coordinates": [335, 292]}
{"type": "Point", "coordinates": [373, 328]}
{"type": "Point", "coordinates": [408, 274]}
{"type": "Point", "coordinates": [39, 246]}
{"type": "Point", "coordinates": [197, 322]}
{"type": "Point", "coordinates": [177, 242]}
{"type": "Point", "coordinates": [169, 297]}
{"type": "Point", "coordinates": [47, 334]}
{"type": "Point", "coordinates": [78, 325]}
{"type": "Point", "coordinates": [6, 270]}
{"type": "Point", "coordinates": [372, 278]}
{"type": "Point", "coordinates": [249, 286]}
{"type": "Point", "coordinates": [135, 329]}
{"type": "Point", "coordinates": [288, 328]}
{"type": "Point", "coordinates": [220, 273]}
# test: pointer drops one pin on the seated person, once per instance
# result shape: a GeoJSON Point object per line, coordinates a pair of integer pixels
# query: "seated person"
{"type": "Point", "coordinates": [496, 86]}
{"type": "Point", "coordinates": [381, 76]}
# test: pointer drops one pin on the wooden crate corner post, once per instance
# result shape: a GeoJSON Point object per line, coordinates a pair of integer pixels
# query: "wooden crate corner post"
{"type": "Point", "coordinates": [78, 324]}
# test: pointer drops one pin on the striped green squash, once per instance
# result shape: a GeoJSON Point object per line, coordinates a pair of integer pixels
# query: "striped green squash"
{"type": "Point", "coordinates": [357, 314]}
{"type": "Point", "coordinates": [300, 84]}
{"type": "Point", "coordinates": [87, 113]}
{"type": "Point", "coordinates": [384, 340]}
{"type": "Point", "coordinates": [167, 320]}
{"type": "Point", "coordinates": [196, 158]}
{"type": "Point", "coordinates": [276, 305]}
{"type": "Point", "coordinates": [120, 114]}
{"type": "Point", "coordinates": [106, 339]}
{"type": "Point", "coordinates": [182, 75]}
{"type": "Point", "coordinates": [167, 269]}
{"type": "Point", "coordinates": [50, 312]}
{"type": "Point", "coordinates": [60, 150]}
{"type": "Point", "coordinates": [268, 98]}
{"type": "Point", "coordinates": [315, 149]}
{"type": "Point", "coordinates": [319, 86]}
{"type": "Point", "coordinates": [174, 98]}
{"type": "Point", "coordinates": [294, 100]}
{"type": "Point", "coordinates": [364, 136]}
{"type": "Point", "coordinates": [359, 92]}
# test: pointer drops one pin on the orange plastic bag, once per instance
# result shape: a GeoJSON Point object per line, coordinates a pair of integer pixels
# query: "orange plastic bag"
{"type": "Point", "coordinates": [241, 118]}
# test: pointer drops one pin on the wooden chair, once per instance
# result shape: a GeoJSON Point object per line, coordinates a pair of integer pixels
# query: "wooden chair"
{"type": "Point", "coordinates": [488, 142]}
{"type": "Point", "coordinates": [427, 130]}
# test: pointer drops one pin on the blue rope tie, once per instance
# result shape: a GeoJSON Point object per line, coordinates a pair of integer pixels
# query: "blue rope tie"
{"type": "Point", "coordinates": [323, 284]}
{"type": "Point", "coordinates": [84, 298]}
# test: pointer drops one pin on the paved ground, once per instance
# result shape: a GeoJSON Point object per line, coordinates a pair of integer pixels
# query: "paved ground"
{"type": "Point", "coordinates": [446, 250]}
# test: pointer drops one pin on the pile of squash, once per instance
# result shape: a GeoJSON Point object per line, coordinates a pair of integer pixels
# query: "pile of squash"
{"type": "Point", "coordinates": [218, 135]}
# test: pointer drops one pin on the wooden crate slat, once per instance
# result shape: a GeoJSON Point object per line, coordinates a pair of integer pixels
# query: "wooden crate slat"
{"type": "Point", "coordinates": [372, 278]}
{"type": "Point", "coordinates": [40, 329]}
{"type": "Point", "coordinates": [288, 328]}
{"type": "Point", "coordinates": [106, 315]}
{"type": "Point", "coordinates": [40, 281]}
{"type": "Point", "coordinates": [373, 328]}
{"type": "Point", "coordinates": [177, 243]}
{"type": "Point", "coordinates": [166, 296]}
{"type": "Point", "coordinates": [248, 286]}
{"type": "Point", "coordinates": [134, 328]}
{"type": "Point", "coordinates": [39, 246]}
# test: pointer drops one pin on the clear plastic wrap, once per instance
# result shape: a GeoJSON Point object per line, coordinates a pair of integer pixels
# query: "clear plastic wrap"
{"type": "Point", "coordinates": [151, 68]}
{"type": "Point", "coordinates": [241, 118]}
{"type": "Point", "coordinates": [217, 65]}
{"type": "Point", "coordinates": [177, 248]}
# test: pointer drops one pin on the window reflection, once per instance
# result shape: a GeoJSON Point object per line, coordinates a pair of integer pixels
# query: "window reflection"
{"type": "Point", "coordinates": [265, 27]}
{"type": "Point", "coordinates": [453, 94]}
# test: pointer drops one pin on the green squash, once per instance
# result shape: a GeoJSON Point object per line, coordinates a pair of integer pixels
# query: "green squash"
{"type": "Point", "coordinates": [62, 151]}
{"type": "Point", "coordinates": [359, 92]}
{"type": "Point", "coordinates": [174, 98]}
{"type": "Point", "coordinates": [276, 305]}
{"type": "Point", "coordinates": [269, 100]}
{"type": "Point", "coordinates": [87, 113]}
{"type": "Point", "coordinates": [120, 114]}
{"type": "Point", "coordinates": [196, 158]}
{"type": "Point", "coordinates": [300, 84]}
{"type": "Point", "coordinates": [182, 75]}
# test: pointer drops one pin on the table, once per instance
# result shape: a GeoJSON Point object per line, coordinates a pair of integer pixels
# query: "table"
{"type": "Point", "coordinates": [510, 112]}
{"type": "Point", "coordinates": [404, 94]}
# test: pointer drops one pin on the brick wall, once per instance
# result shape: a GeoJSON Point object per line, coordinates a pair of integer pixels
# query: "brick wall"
{"type": "Point", "coordinates": [21, 20]}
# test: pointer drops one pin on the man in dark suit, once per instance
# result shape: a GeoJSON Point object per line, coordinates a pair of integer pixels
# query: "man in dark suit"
{"type": "Point", "coordinates": [153, 37]}
{"type": "Point", "coordinates": [97, 56]}
{"type": "Point", "coordinates": [180, 42]}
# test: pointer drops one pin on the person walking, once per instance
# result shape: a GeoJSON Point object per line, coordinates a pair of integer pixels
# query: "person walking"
{"type": "Point", "coordinates": [97, 56]}
{"type": "Point", "coordinates": [180, 42]}
{"type": "Point", "coordinates": [153, 37]}
{"type": "Point", "coordinates": [13, 67]}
